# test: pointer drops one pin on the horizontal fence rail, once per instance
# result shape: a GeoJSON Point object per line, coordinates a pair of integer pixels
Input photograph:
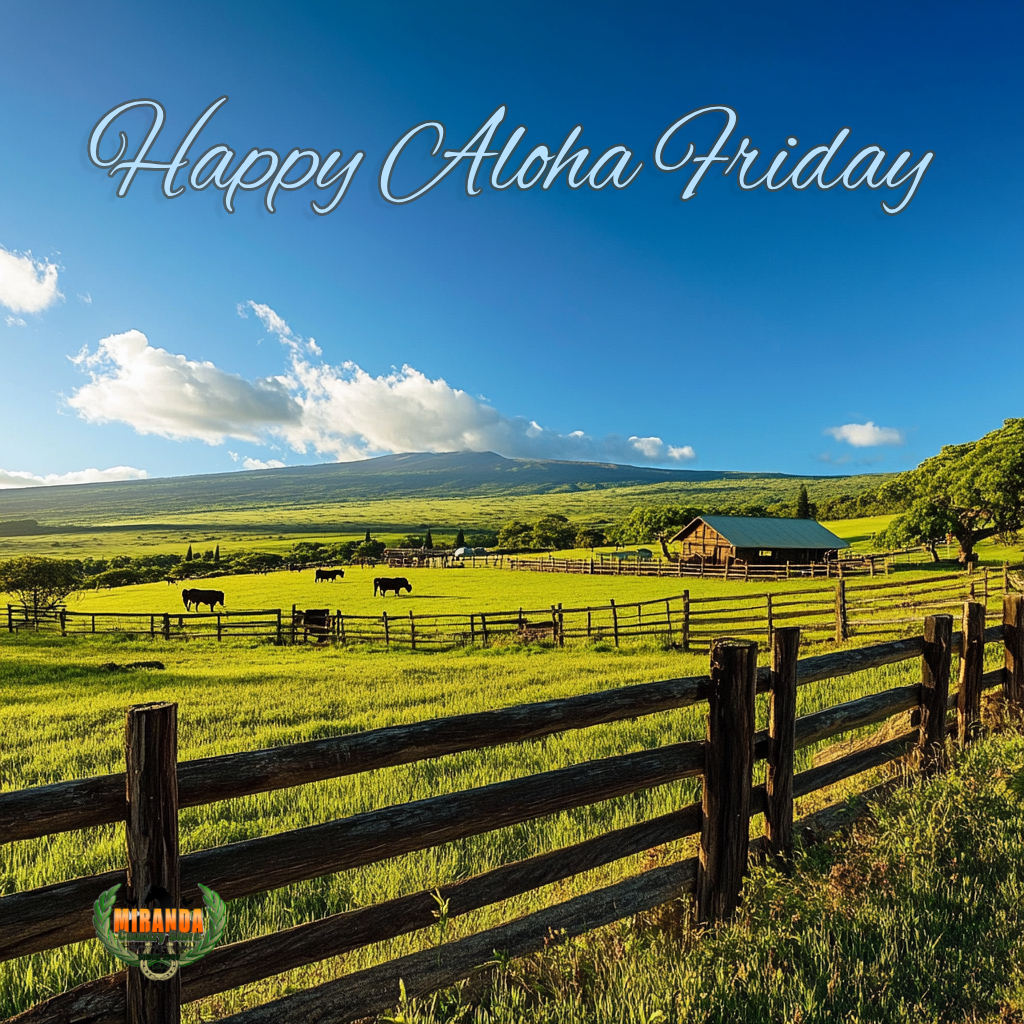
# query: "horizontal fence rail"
{"type": "Point", "coordinates": [60, 913]}
{"type": "Point", "coordinates": [840, 611]}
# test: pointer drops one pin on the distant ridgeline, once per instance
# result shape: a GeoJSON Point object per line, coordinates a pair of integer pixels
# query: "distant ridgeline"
{"type": "Point", "coordinates": [415, 475]}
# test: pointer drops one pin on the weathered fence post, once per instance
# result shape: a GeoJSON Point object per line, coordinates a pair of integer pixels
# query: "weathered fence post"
{"type": "Point", "coordinates": [782, 742]}
{"type": "Point", "coordinates": [483, 628]}
{"type": "Point", "coordinates": [412, 630]}
{"type": "Point", "coordinates": [64, 623]}
{"type": "Point", "coordinates": [728, 764]}
{"type": "Point", "coordinates": [293, 624]}
{"type": "Point", "coordinates": [972, 663]}
{"type": "Point", "coordinates": [561, 626]}
{"type": "Point", "coordinates": [1013, 647]}
{"type": "Point", "coordinates": [768, 612]}
{"type": "Point", "coordinates": [930, 717]}
{"type": "Point", "coordinates": [668, 620]}
{"type": "Point", "coordinates": [387, 633]}
{"type": "Point", "coordinates": [554, 625]}
{"type": "Point", "coordinates": [686, 620]}
{"type": "Point", "coordinates": [278, 627]}
{"type": "Point", "coordinates": [167, 626]}
{"type": "Point", "coordinates": [151, 831]}
{"type": "Point", "coordinates": [615, 621]}
{"type": "Point", "coordinates": [841, 628]}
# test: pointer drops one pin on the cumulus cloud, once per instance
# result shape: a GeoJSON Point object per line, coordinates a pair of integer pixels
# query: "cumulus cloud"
{"type": "Point", "coordinates": [338, 411]}
{"type": "Point", "coordinates": [261, 464]}
{"type": "Point", "coordinates": [27, 285]}
{"type": "Point", "coordinates": [17, 478]}
{"type": "Point", "coordinates": [157, 392]}
{"type": "Point", "coordinates": [866, 435]}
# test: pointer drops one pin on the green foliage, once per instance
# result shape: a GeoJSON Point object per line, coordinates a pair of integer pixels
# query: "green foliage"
{"type": "Point", "coordinates": [516, 534]}
{"type": "Point", "coordinates": [803, 504]}
{"type": "Point", "coordinates": [589, 537]}
{"type": "Point", "coordinates": [645, 523]}
{"type": "Point", "coordinates": [428, 541]}
{"type": "Point", "coordinates": [553, 531]}
{"type": "Point", "coordinates": [371, 549]}
{"type": "Point", "coordinates": [972, 491]}
{"type": "Point", "coordinates": [40, 582]}
{"type": "Point", "coordinates": [413, 540]}
{"type": "Point", "coordinates": [460, 539]}
{"type": "Point", "coordinates": [188, 554]}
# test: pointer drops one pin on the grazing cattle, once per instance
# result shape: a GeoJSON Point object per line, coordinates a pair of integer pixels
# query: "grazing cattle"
{"type": "Point", "coordinates": [201, 597]}
{"type": "Point", "coordinates": [395, 583]}
{"type": "Point", "coordinates": [186, 597]}
{"type": "Point", "coordinates": [329, 574]}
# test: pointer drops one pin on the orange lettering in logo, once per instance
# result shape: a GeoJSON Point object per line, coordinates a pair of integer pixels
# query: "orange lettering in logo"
{"type": "Point", "coordinates": [183, 920]}
{"type": "Point", "coordinates": [122, 919]}
{"type": "Point", "coordinates": [197, 921]}
{"type": "Point", "coordinates": [144, 920]}
{"type": "Point", "coordinates": [171, 920]}
{"type": "Point", "coordinates": [158, 920]}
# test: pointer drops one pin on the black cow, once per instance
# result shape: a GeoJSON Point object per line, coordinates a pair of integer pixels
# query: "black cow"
{"type": "Point", "coordinates": [201, 597]}
{"type": "Point", "coordinates": [395, 583]}
{"type": "Point", "coordinates": [329, 574]}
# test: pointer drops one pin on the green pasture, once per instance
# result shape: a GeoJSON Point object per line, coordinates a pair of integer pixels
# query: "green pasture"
{"type": "Point", "coordinates": [62, 715]}
{"type": "Point", "coordinates": [436, 591]}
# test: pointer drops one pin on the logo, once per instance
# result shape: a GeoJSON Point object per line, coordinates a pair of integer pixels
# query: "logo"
{"type": "Point", "coordinates": [158, 940]}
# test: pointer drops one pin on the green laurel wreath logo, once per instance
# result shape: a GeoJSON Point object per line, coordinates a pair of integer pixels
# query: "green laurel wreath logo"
{"type": "Point", "coordinates": [113, 944]}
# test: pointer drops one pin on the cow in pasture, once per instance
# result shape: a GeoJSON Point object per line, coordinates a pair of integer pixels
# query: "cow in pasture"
{"type": "Point", "coordinates": [329, 574]}
{"type": "Point", "coordinates": [201, 597]}
{"type": "Point", "coordinates": [396, 583]}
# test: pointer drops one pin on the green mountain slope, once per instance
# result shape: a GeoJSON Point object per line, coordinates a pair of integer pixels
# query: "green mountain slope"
{"type": "Point", "coordinates": [468, 475]}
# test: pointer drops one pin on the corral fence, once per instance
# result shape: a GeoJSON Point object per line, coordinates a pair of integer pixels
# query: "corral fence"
{"type": "Point", "coordinates": [148, 794]}
{"type": "Point", "coordinates": [871, 564]}
{"type": "Point", "coordinates": [839, 611]}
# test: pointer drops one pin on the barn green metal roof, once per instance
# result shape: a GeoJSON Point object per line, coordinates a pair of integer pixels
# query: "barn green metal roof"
{"type": "Point", "coordinates": [765, 532]}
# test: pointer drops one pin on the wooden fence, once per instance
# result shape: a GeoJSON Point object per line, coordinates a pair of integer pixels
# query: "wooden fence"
{"type": "Point", "coordinates": [838, 610]}
{"type": "Point", "coordinates": [148, 795]}
{"type": "Point", "coordinates": [871, 564]}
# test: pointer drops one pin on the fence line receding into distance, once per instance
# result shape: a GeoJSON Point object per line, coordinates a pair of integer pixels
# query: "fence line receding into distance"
{"type": "Point", "coordinates": [838, 610]}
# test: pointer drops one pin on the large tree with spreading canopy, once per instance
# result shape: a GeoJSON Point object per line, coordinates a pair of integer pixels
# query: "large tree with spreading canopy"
{"type": "Point", "coordinates": [971, 491]}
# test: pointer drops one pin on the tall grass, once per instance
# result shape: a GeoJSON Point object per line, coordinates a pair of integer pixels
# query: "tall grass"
{"type": "Point", "coordinates": [62, 714]}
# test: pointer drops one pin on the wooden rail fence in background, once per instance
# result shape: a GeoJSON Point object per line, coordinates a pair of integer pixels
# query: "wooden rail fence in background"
{"type": "Point", "coordinates": [154, 786]}
{"type": "Point", "coordinates": [838, 610]}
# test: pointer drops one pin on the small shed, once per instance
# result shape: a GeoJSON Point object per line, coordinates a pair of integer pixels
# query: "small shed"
{"type": "Point", "coordinates": [757, 540]}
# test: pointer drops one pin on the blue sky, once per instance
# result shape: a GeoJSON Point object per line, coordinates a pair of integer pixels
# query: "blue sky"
{"type": "Point", "coordinates": [798, 331]}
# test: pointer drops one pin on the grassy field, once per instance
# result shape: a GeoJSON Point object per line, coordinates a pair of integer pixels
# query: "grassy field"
{"type": "Point", "coordinates": [61, 716]}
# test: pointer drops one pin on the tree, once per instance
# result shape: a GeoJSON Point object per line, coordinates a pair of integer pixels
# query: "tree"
{"type": "Point", "coordinates": [428, 541]}
{"type": "Point", "coordinates": [216, 555]}
{"type": "Point", "coordinates": [366, 539]}
{"type": "Point", "coordinates": [973, 491]}
{"type": "Point", "coordinates": [553, 531]}
{"type": "Point", "coordinates": [40, 582]}
{"type": "Point", "coordinates": [646, 523]}
{"type": "Point", "coordinates": [803, 504]}
{"type": "Point", "coordinates": [188, 554]}
{"type": "Point", "coordinates": [515, 534]}
{"type": "Point", "coordinates": [460, 539]}
{"type": "Point", "coordinates": [588, 537]}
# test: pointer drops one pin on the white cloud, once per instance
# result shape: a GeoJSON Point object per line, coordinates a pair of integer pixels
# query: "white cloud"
{"type": "Point", "coordinates": [337, 411]}
{"type": "Point", "coordinates": [865, 435]}
{"type": "Point", "coordinates": [17, 478]}
{"type": "Point", "coordinates": [86, 298]}
{"type": "Point", "coordinates": [14, 321]}
{"type": "Point", "coordinates": [27, 285]}
{"type": "Point", "coordinates": [157, 392]}
{"type": "Point", "coordinates": [260, 464]}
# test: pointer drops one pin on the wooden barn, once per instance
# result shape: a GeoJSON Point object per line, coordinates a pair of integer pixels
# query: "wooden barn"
{"type": "Point", "coordinates": [721, 540]}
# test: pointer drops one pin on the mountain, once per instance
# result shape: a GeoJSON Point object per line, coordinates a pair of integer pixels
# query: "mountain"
{"type": "Point", "coordinates": [419, 474]}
